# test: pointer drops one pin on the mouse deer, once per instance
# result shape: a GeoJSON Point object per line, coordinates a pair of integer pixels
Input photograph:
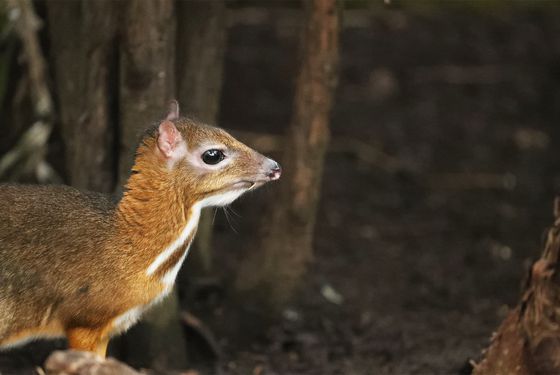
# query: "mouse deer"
{"type": "Point", "coordinates": [73, 264]}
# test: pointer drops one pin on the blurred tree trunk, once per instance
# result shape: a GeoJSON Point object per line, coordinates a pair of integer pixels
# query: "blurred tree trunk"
{"type": "Point", "coordinates": [85, 79]}
{"type": "Point", "coordinates": [147, 58]}
{"type": "Point", "coordinates": [277, 262]}
{"type": "Point", "coordinates": [528, 340]}
{"type": "Point", "coordinates": [146, 88]}
{"type": "Point", "coordinates": [201, 37]}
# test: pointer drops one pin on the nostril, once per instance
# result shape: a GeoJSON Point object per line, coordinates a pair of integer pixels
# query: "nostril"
{"type": "Point", "coordinates": [275, 171]}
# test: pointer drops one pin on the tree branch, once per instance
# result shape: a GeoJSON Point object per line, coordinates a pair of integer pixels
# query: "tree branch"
{"type": "Point", "coordinates": [28, 155]}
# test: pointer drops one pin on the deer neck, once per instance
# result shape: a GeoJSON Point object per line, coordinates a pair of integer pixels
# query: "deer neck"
{"type": "Point", "coordinates": [157, 221]}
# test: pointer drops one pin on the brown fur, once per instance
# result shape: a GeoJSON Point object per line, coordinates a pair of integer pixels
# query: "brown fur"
{"type": "Point", "coordinates": [72, 261]}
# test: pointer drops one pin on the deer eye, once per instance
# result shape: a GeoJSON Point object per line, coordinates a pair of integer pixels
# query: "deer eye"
{"type": "Point", "coordinates": [213, 156]}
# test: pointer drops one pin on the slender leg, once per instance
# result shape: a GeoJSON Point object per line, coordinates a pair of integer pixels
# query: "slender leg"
{"type": "Point", "coordinates": [101, 349]}
{"type": "Point", "coordinates": [88, 339]}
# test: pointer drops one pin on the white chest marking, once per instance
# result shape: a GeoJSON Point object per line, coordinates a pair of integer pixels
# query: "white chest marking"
{"type": "Point", "coordinates": [185, 233]}
{"type": "Point", "coordinates": [126, 320]}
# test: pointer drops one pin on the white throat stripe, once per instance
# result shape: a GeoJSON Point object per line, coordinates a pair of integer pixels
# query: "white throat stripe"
{"type": "Point", "coordinates": [165, 254]}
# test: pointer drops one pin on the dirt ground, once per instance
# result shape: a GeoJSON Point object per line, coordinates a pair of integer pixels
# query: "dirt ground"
{"type": "Point", "coordinates": [436, 193]}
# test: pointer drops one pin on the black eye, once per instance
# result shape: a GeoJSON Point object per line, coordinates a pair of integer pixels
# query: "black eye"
{"type": "Point", "coordinates": [213, 156]}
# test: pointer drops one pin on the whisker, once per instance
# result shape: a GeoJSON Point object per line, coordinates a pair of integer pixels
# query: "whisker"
{"type": "Point", "coordinates": [234, 212]}
{"type": "Point", "coordinates": [214, 216]}
{"type": "Point", "coordinates": [229, 221]}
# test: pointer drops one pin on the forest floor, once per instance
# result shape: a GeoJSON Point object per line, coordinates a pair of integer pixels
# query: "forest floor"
{"type": "Point", "coordinates": [433, 207]}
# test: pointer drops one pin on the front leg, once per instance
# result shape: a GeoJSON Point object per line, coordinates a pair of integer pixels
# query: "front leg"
{"type": "Point", "coordinates": [88, 339]}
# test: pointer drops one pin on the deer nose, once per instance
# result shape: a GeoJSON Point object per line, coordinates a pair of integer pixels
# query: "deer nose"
{"type": "Point", "coordinates": [275, 171]}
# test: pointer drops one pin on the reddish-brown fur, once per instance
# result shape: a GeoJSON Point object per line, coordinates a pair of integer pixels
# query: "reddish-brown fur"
{"type": "Point", "coordinates": [71, 262]}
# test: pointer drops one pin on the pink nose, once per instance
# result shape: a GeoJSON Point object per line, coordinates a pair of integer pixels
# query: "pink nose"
{"type": "Point", "coordinates": [275, 172]}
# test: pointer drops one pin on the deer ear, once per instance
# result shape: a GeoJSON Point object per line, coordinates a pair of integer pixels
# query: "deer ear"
{"type": "Point", "coordinates": [170, 142]}
{"type": "Point", "coordinates": [173, 113]}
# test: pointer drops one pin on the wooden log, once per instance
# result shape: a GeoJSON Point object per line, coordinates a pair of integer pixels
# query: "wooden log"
{"type": "Point", "coordinates": [71, 362]}
{"type": "Point", "coordinates": [528, 340]}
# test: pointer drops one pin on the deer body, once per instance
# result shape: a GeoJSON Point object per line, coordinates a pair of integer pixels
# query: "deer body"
{"type": "Point", "coordinates": [75, 264]}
